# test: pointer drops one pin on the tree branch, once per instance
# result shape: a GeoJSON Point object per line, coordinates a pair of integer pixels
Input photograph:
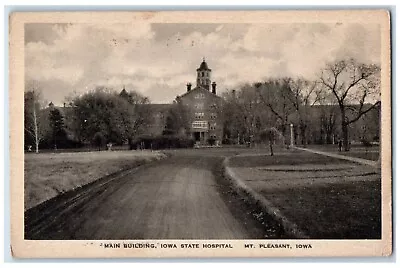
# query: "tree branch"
{"type": "Point", "coordinates": [361, 113]}
{"type": "Point", "coordinates": [270, 107]}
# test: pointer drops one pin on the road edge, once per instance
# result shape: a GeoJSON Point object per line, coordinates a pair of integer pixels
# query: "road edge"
{"type": "Point", "coordinates": [267, 207]}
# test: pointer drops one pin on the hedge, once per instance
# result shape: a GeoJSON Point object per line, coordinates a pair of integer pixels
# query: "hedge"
{"type": "Point", "coordinates": [161, 142]}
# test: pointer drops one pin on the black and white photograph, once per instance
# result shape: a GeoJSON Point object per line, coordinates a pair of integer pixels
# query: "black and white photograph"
{"type": "Point", "coordinates": [201, 133]}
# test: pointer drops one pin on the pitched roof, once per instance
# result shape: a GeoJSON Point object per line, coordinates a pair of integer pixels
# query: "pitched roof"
{"type": "Point", "coordinates": [198, 88]}
{"type": "Point", "coordinates": [124, 93]}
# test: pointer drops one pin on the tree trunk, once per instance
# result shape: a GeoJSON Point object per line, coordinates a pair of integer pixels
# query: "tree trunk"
{"type": "Point", "coordinates": [303, 128]}
{"type": "Point", "coordinates": [36, 128]}
{"type": "Point", "coordinates": [345, 133]}
{"type": "Point", "coordinates": [345, 129]}
{"type": "Point", "coordinates": [285, 138]}
{"type": "Point", "coordinates": [271, 148]}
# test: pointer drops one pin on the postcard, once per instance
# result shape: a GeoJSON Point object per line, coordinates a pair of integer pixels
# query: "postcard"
{"type": "Point", "coordinates": [200, 134]}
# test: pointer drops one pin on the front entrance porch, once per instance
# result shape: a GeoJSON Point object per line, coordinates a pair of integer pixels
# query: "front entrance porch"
{"type": "Point", "coordinates": [200, 136]}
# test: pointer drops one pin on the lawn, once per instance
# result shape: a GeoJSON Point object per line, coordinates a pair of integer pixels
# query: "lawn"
{"type": "Point", "coordinates": [369, 153]}
{"type": "Point", "coordinates": [50, 174]}
{"type": "Point", "coordinates": [288, 157]}
{"type": "Point", "coordinates": [325, 197]}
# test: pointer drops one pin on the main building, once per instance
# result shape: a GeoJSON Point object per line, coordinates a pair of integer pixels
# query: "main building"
{"type": "Point", "coordinates": [203, 108]}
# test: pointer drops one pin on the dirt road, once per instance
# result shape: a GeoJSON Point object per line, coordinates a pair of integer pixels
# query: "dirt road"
{"type": "Point", "coordinates": [182, 197]}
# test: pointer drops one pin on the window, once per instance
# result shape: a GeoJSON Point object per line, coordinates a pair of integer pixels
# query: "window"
{"type": "Point", "coordinates": [199, 115]}
{"type": "Point", "coordinates": [202, 74]}
{"type": "Point", "coordinates": [200, 96]}
{"type": "Point", "coordinates": [213, 106]}
{"type": "Point", "coordinates": [213, 115]}
{"type": "Point", "coordinates": [200, 124]}
{"type": "Point", "coordinates": [213, 126]}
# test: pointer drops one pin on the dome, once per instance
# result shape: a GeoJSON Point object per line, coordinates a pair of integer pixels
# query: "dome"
{"type": "Point", "coordinates": [203, 66]}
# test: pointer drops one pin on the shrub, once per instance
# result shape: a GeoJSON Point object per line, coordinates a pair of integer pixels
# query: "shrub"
{"type": "Point", "coordinates": [99, 140]}
{"type": "Point", "coordinates": [366, 143]}
{"type": "Point", "coordinates": [61, 142]}
{"type": "Point", "coordinates": [211, 141]}
{"type": "Point", "coordinates": [161, 142]}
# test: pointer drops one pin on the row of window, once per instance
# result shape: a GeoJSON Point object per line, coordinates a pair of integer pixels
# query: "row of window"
{"type": "Point", "coordinates": [200, 115]}
{"type": "Point", "coordinates": [202, 82]}
{"type": "Point", "coordinates": [201, 105]}
{"type": "Point", "coordinates": [200, 124]}
{"type": "Point", "coordinates": [204, 125]}
{"type": "Point", "coordinates": [197, 115]}
{"type": "Point", "coordinates": [199, 96]}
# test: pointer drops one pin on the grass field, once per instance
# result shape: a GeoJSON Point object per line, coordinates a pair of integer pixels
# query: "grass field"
{"type": "Point", "coordinates": [369, 153]}
{"type": "Point", "coordinates": [49, 174]}
{"type": "Point", "coordinates": [325, 197]}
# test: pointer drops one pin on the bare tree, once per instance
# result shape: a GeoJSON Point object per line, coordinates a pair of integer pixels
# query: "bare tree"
{"type": "Point", "coordinates": [248, 106]}
{"type": "Point", "coordinates": [353, 85]}
{"type": "Point", "coordinates": [328, 115]}
{"type": "Point", "coordinates": [233, 118]}
{"type": "Point", "coordinates": [275, 95]}
{"type": "Point", "coordinates": [32, 106]}
{"type": "Point", "coordinates": [244, 113]}
{"type": "Point", "coordinates": [303, 95]}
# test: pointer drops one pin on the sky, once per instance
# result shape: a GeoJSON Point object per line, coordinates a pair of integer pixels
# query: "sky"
{"type": "Point", "coordinates": [158, 60]}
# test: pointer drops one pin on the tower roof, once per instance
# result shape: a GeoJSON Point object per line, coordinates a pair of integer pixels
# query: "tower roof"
{"type": "Point", "coordinates": [123, 93]}
{"type": "Point", "coordinates": [203, 66]}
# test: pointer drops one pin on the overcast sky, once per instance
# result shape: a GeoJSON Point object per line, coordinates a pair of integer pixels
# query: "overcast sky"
{"type": "Point", "coordinates": [159, 59]}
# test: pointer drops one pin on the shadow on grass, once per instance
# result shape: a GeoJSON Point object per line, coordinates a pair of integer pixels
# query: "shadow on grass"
{"type": "Point", "coordinates": [337, 211]}
{"type": "Point", "coordinates": [294, 158]}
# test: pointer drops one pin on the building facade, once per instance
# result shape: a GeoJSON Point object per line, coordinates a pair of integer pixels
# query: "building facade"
{"type": "Point", "coordinates": [203, 108]}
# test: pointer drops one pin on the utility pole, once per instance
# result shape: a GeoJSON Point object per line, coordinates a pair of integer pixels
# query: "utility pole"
{"type": "Point", "coordinates": [291, 136]}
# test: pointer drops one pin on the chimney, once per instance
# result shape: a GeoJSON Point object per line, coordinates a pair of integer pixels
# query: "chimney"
{"type": "Point", "coordinates": [64, 104]}
{"type": "Point", "coordinates": [214, 87]}
{"type": "Point", "coordinates": [188, 86]}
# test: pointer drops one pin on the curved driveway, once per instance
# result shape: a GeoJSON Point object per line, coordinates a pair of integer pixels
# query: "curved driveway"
{"type": "Point", "coordinates": [177, 198]}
